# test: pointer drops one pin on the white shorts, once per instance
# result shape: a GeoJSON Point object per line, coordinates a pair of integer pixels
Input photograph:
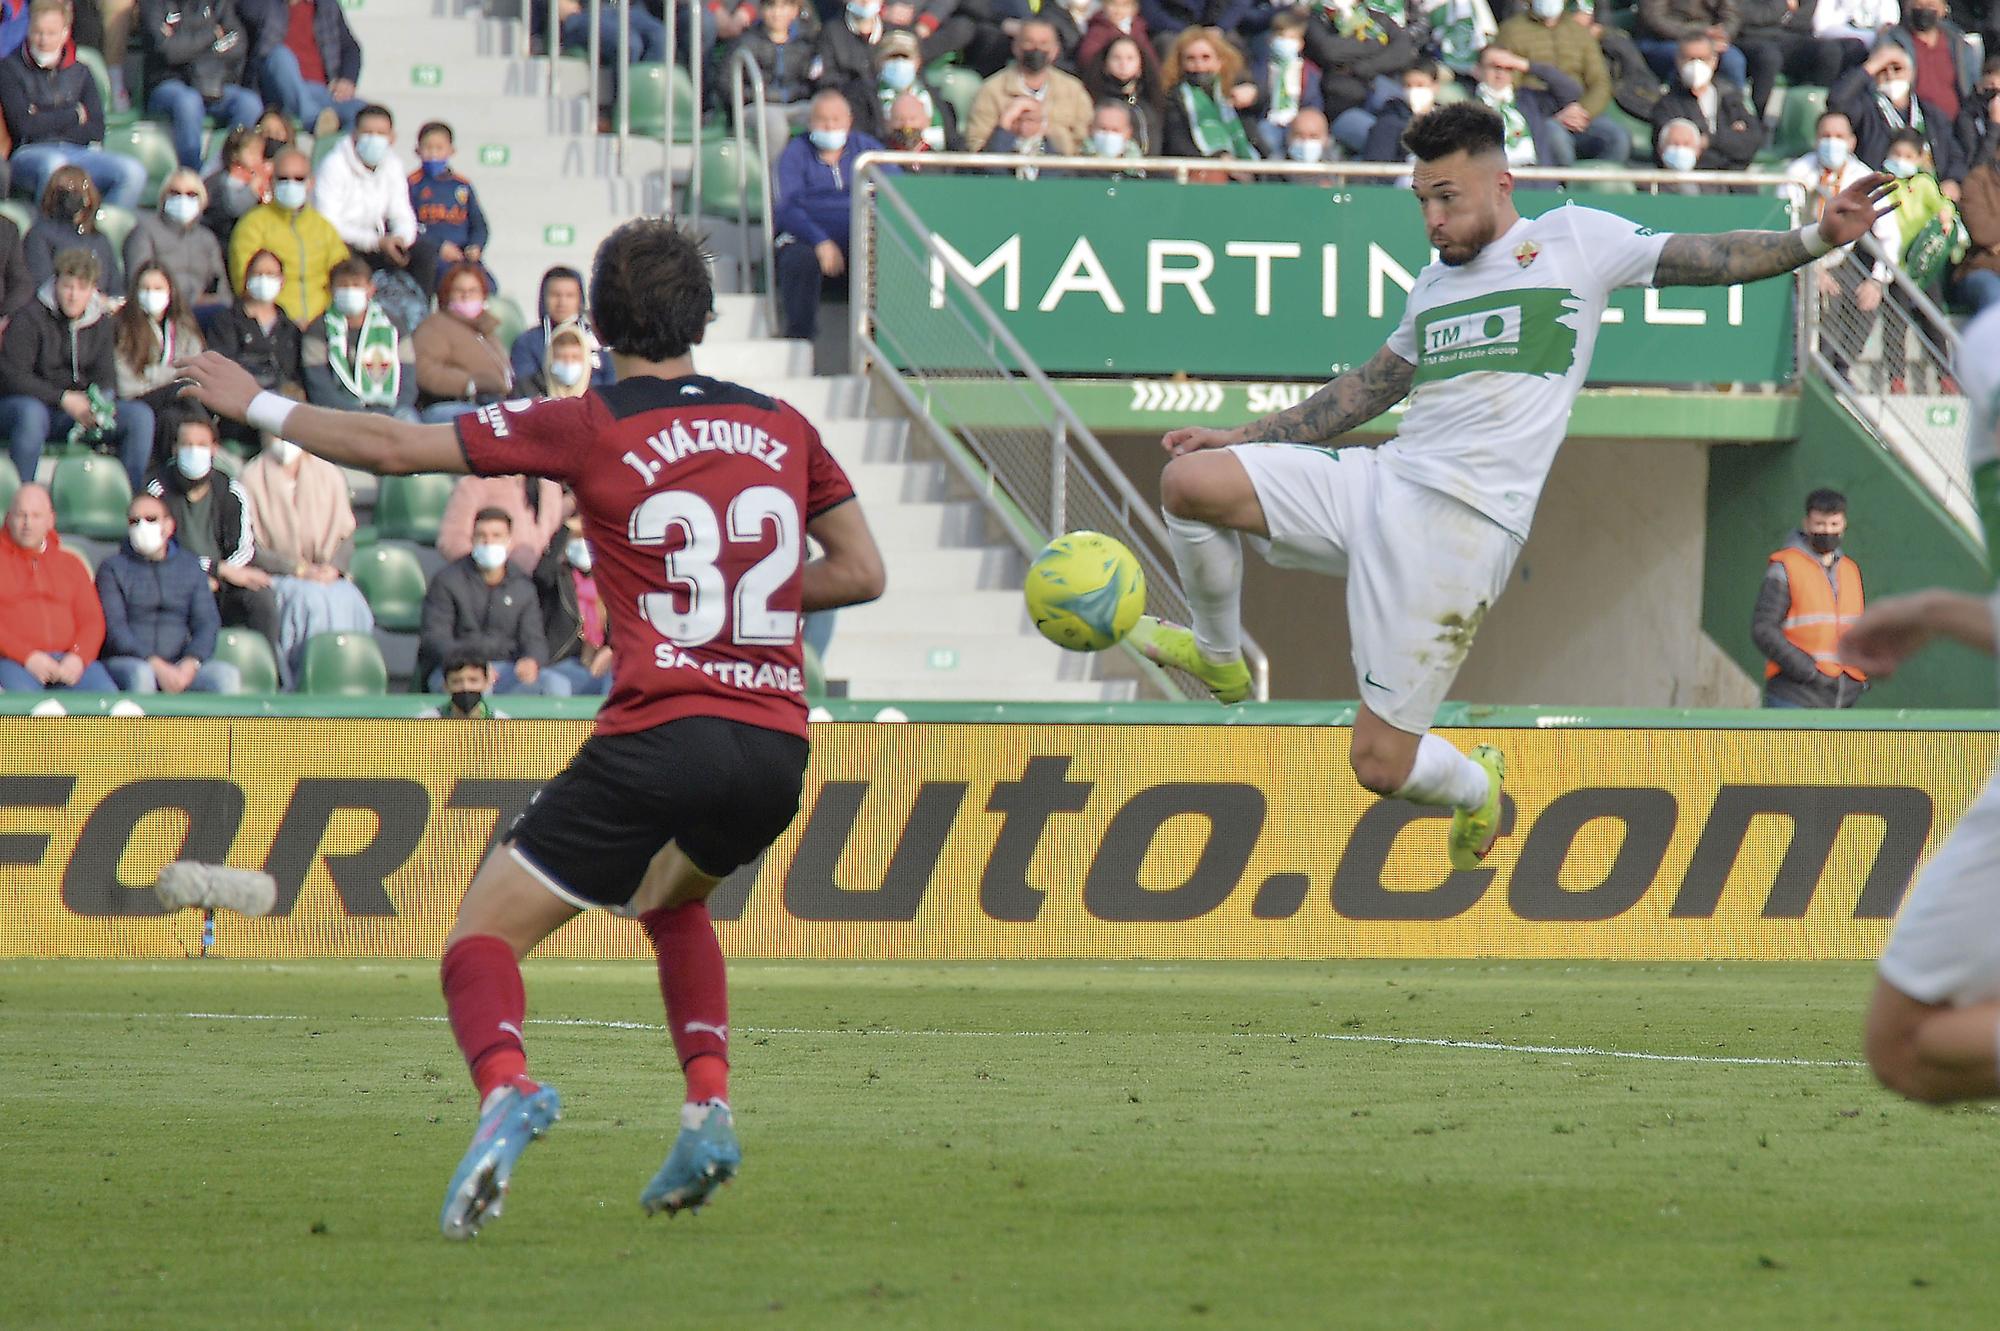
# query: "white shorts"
{"type": "Point", "coordinates": [1422, 568]}
{"type": "Point", "coordinates": [1946, 947]}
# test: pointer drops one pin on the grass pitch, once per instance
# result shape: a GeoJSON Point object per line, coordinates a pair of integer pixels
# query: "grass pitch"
{"type": "Point", "coordinates": [1005, 1146]}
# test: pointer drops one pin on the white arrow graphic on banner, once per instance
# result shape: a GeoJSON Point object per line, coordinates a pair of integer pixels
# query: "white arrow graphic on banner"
{"type": "Point", "coordinates": [1175, 396]}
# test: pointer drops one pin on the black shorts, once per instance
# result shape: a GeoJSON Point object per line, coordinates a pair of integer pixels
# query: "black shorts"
{"type": "Point", "coordinates": [721, 790]}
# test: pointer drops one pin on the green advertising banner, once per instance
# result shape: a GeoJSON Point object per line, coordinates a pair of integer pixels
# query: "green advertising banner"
{"type": "Point", "coordinates": [1272, 281]}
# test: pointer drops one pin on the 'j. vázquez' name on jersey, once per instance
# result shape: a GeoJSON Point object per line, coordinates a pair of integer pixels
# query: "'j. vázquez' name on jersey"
{"type": "Point", "coordinates": [703, 434]}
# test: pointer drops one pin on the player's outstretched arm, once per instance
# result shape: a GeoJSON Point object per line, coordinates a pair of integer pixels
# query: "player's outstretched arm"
{"type": "Point", "coordinates": [1353, 399]}
{"type": "Point", "coordinates": [364, 439]}
{"type": "Point", "coordinates": [849, 569]}
{"type": "Point", "coordinates": [1890, 632]}
{"type": "Point", "coordinates": [1728, 257]}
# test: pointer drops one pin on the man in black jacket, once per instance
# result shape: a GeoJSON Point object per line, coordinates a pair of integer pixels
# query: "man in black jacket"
{"type": "Point", "coordinates": [481, 606]}
{"type": "Point", "coordinates": [213, 522]}
{"type": "Point", "coordinates": [194, 59]}
{"type": "Point", "coordinates": [58, 347]}
{"type": "Point", "coordinates": [54, 114]}
{"type": "Point", "coordinates": [312, 79]}
{"type": "Point", "coordinates": [1880, 98]}
{"type": "Point", "coordinates": [1777, 38]}
{"type": "Point", "coordinates": [1353, 46]}
{"type": "Point", "coordinates": [1715, 107]}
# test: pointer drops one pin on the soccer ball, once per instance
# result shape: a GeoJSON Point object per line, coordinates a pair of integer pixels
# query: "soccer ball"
{"type": "Point", "coordinates": [1085, 591]}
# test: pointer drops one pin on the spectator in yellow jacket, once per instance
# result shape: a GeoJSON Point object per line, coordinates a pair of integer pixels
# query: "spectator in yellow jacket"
{"type": "Point", "coordinates": [291, 228]}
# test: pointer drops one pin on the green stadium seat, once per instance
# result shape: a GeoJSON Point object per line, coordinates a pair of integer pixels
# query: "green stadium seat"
{"type": "Point", "coordinates": [365, 535]}
{"type": "Point", "coordinates": [100, 73]}
{"type": "Point", "coordinates": [114, 224]}
{"type": "Point", "coordinates": [957, 85]}
{"type": "Point", "coordinates": [323, 147]}
{"type": "Point", "coordinates": [91, 495]}
{"type": "Point", "coordinates": [10, 481]}
{"type": "Point", "coordinates": [19, 212]}
{"type": "Point", "coordinates": [347, 665]}
{"type": "Point", "coordinates": [1794, 135]}
{"type": "Point", "coordinates": [508, 311]}
{"type": "Point", "coordinates": [390, 576]}
{"type": "Point", "coordinates": [815, 674]}
{"type": "Point", "coordinates": [409, 508]}
{"type": "Point", "coordinates": [648, 114]}
{"type": "Point", "coordinates": [719, 194]}
{"type": "Point", "coordinates": [153, 149]}
{"type": "Point", "coordinates": [251, 654]}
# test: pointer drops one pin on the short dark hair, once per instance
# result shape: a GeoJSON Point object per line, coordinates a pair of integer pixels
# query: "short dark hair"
{"type": "Point", "coordinates": [1467, 127]}
{"type": "Point", "coordinates": [1424, 65]}
{"type": "Point", "coordinates": [1826, 501]}
{"type": "Point", "coordinates": [493, 515]}
{"type": "Point", "coordinates": [650, 289]}
{"type": "Point", "coordinates": [463, 660]}
{"type": "Point", "coordinates": [349, 267]}
{"type": "Point", "coordinates": [376, 109]}
{"type": "Point", "coordinates": [1830, 113]}
{"type": "Point", "coordinates": [1909, 137]}
{"type": "Point", "coordinates": [191, 413]}
{"type": "Point", "coordinates": [80, 264]}
{"type": "Point", "coordinates": [436, 127]}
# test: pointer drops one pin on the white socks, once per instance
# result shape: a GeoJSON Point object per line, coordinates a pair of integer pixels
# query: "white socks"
{"type": "Point", "coordinates": [1443, 775]}
{"type": "Point", "coordinates": [1210, 561]}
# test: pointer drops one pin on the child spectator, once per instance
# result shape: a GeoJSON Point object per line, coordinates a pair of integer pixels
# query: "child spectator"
{"type": "Point", "coordinates": [451, 228]}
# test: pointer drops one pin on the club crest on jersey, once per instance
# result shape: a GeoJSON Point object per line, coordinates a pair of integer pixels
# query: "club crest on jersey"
{"type": "Point", "coordinates": [1527, 252]}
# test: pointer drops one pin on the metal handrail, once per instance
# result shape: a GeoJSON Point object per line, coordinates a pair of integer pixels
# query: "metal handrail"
{"type": "Point", "coordinates": [1947, 483]}
{"type": "Point", "coordinates": [552, 42]}
{"type": "Point", "coordinates": [673, 8]}
{"type": "Point", "coordinates": [1070, 437]}
{"type": "Point", "coordinates": [596, 58]}
{"type": "Point", "coordinates": [743, 62]}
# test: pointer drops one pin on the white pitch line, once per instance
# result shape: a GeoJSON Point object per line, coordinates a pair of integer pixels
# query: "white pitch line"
{"type": "Point", "coordinates": [1428, 1042]}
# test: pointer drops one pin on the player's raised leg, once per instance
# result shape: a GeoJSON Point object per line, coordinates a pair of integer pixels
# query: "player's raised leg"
{"type": "Point", "coordinates": [672, 905]}
{"type": "Point", "coordinates": [1428, 769]}
{"type": "Point", "coordinates": [1207, 499]}
{"type": "Point", "coordinates": [505, 913]}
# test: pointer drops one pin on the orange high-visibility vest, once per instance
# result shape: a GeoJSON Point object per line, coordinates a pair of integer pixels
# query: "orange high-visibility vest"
{"type": "Point", "coordinates": [1818, 616]}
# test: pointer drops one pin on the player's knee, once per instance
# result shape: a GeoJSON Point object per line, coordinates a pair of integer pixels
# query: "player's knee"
{"type": "Point", "coordinates": [1898, 1064]}
{"type": "Point", "coordinates": [1377, 772]}
{"type": "Point", "coordinates": [1180, 488]}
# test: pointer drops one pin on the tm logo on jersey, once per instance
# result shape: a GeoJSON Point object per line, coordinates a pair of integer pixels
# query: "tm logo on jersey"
{"type": "Point", "coordinates": [1507, 332]}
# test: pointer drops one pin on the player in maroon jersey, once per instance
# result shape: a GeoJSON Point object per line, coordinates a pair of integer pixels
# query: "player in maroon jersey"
{"type": "Point", "coordinates": [696, 497]}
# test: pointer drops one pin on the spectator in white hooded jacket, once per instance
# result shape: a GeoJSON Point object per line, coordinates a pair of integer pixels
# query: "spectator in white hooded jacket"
{"type": "Point", "coordinates": [363, 188]}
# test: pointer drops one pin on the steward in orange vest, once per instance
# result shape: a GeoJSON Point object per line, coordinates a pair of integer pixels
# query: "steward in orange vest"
{"type": "Point", "coordinates": [1809, 599]}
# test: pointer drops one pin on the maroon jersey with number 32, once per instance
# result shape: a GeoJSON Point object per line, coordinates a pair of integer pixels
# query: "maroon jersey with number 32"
{"type": "Point", "coordinates": [695, 495]}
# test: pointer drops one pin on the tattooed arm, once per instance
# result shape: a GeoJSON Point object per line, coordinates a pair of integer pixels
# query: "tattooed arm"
{"type": "Point", "coordinates": [1730, 257]}
{"type": "Point", "coordinates": [1353, 399]}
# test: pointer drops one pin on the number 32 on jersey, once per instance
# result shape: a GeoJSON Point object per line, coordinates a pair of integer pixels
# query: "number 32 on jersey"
{"type": "Point", "coordinates": [695, 568]}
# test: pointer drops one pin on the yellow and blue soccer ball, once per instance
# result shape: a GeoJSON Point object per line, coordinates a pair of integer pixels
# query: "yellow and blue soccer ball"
{"type": "Point", "coordinates": [1085, 591]}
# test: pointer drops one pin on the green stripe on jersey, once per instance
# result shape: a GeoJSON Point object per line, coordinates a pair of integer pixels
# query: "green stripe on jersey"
{"type": "Point", "coordinates": [1508, 332]}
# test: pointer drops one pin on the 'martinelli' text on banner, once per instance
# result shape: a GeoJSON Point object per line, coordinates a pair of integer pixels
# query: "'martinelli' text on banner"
{"type": "Point", "coordinates": [1139, 277]}
{"type": "Point", "coordinates": [1001, 841]}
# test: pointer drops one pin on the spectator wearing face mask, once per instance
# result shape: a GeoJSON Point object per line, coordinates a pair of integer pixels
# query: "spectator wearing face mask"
{"type": "Point", "coordinates": [363, 187]}
{"type": "Point", "coordinates": [355, 358]}
{"type": "Point", "coordinates": [53, 113]}
{"type": "Point", "coordinates": [58, 349]}
{"type": "Point", "coordinates": [211, 514]}
{"type": "Point", "coordinates": [451, 228]}
{"type": "Point", "coordinates": [566, 369]}
{"type": "Point", "coordinates": [1309, 141]}
{"type": "Point", "coordinates": [1525, 113]}
{"type": "Point", "coordinates": [483, 607]}
{"type": "Point", "coordinates": [909, 122]}
{"type": "Point", "coordinates": [1979, 116]}
{"type": "Point", "coordinates": [150, 334]}
{"type": "Point", "coordinates": [467, 680]}
{"type": "Point", "coordinates": [847, 46]}
{"type": "Point", "coordinates": [1578, 129]}
{"type": "Point", "coordinates": [1947, 65]}
{"type": "Point", "coordinates": [1679, 147]}
{"type": "Point", "coordinates": [1111, 131]}
{"type": "Point", "coordinates": [68, 221]}
{"type": "Point", "coordinates": [303, 527]}
{"type": "Point", "coordinates": [785, 47]}
{"type": "Point", "coordinates": [813, 210]}
{"type": "Point", "coordinates": [1419, 95]}
{"type": "Point", "coordinates": [1206, 90]}
{"type": "Point", "coordinates": [560, 305]}
{"type": "Point", "coordinates": [1811, 592]}
{"type": "Point", "coordinates": [1851, 284]}
{"type": "Point", "coordinates": [1066, 107]}
{"type": "Point", "coordinates": [1715, 107]}
{"type": "Point", "coordinates": [1287, 83]}
{"type": "Point", "coordinates": [461, 364]}
{"type": "Point", "coordinates": [1879, 100]}
{"type": "Point", "coordinates": [573, 618]}
{"type": "Point", "coordinates": [897, 77]}
{"type": "Point", "coordinates": [1126, 70]}
{"type": "Point", "coordinates": [175, 239]}
{"type": "Point", "coordinates": [533, 506]}
{"type": "Point", "coordinates": [160, 619]}
{"type": "Point", "coordinates": [256, 334]}
{"type": "Point", "coordinates": [291, 228]}
{"type": "Point", "coordinates": [240, 183]}
{"type": "Point", "coordinates": [1665, 26]}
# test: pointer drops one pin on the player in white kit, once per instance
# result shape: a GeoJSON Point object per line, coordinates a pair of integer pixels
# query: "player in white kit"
{"type": "Point", "coordinates": [1492, 350]}
{"type": "Point", "coordinates": [1934, 1023]}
